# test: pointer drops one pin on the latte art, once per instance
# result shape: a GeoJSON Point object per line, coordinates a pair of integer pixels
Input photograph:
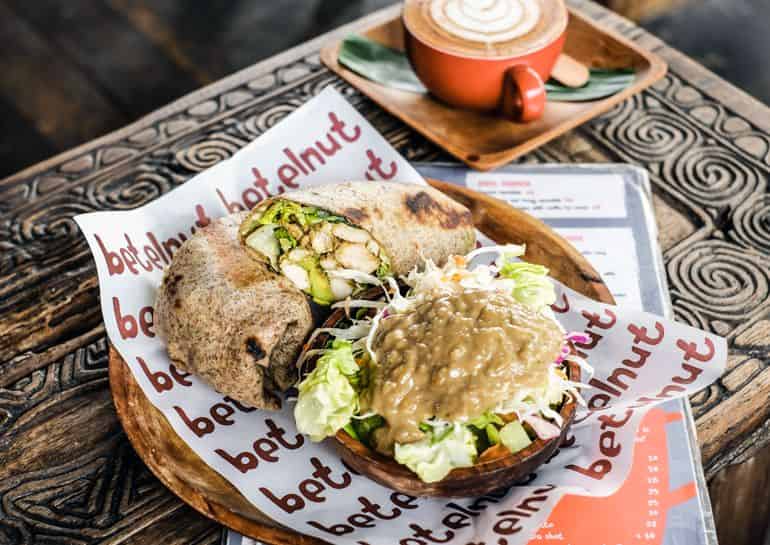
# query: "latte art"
{"type": "Point", "coordinates": [488, 21]}
{"type": "Point", "coordinates": [486, 28]}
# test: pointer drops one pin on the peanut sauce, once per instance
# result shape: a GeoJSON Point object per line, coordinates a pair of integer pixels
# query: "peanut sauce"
{"type": "Point", "coordinates": [455, 357]}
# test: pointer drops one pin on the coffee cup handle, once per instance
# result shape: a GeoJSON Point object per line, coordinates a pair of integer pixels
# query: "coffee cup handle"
{"type": "Point", "coordinates": [523, 94]}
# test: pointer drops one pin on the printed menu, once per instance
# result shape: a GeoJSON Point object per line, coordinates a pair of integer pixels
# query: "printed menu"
{"type": "Point", "coordinates": [618, 269]}
{"type": "Point", "coordinates": [603, 210]}
{"type": "Point", "coordinates": [551, 196]}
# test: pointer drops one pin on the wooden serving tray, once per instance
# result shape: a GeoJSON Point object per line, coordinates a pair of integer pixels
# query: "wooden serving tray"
{"type": "Point", "coordinates": [484, 141]}
{"type": "Point", "coordinates": [190, 478]}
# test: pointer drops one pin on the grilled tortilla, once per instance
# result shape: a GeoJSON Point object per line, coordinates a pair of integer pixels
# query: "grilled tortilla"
{"type": "Point", "coordinates": [378, 229]}
{"type": "Point", "coordinates": [230, 319]}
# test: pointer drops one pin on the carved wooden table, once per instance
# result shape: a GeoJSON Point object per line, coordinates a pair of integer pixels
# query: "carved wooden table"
{"type": "Point", "coordinates": [67, 473]}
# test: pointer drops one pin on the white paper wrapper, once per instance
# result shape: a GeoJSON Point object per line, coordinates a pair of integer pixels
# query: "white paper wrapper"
{"type": "Point", "coordinates": [639, 359]}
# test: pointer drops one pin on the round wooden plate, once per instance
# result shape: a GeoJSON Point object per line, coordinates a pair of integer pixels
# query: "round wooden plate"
{"type": "Point", "coordinates": [182, 471]}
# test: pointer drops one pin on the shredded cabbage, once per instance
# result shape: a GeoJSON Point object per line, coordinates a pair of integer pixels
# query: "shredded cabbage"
{"type": "Point", "coordinates": [356, 276]}
{"type": "Point", "coordinates": [439, 452]}
{"type": "Point", "coordinates": [357, 329]}
{"type": "Point", "coordinates": [359, 303]}
{"type": "Point", "coordinates": [513, 250]}
{"type": "Point", "coordinates": [527, 283]}
{"type": "Point", "coordinates": [327, 399]}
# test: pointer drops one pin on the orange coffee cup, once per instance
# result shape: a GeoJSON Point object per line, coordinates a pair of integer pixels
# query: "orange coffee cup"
{"type": "Point", "coordinates": [511, 84]}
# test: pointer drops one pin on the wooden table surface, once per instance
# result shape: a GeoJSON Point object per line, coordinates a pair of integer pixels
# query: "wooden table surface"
{"type": "Point", "coordinates": [67, 472]}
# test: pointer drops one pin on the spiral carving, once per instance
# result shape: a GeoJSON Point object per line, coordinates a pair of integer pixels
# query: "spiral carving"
{"type": "Point", "coordinates": [206, 153]}
{"type": "Point", "coordinates": [719, 280]}
{"type": "Point", "coordinates": [713, 175]}
{"type": "Point", "coordinates": [705, 399]}
{"type": "Point", "coordinates": [751, 223]}
{"type": "Point", "coordinates": [42, 234]}
{"type": "Point", "coordinates": [134, 190]}
{"type": "Point", "coordinates": [689, 316]}
{"type": "Point", "coordinates": [53, 224]}
{"type": "Point", "coordinates": [256, 124]}
{"type": "Point", "coordinates": [313, 87]}
{"type": "Point", "coordinates": [650, 135]}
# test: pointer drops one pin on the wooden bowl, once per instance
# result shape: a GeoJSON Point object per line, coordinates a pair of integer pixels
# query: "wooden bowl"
{"type": "Point", "coordinates": [497, 467]}
{"type": "Point", "coordinates": [189, 477]}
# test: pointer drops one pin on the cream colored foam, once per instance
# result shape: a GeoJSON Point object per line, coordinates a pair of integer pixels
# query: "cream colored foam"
{"type": "Point", "coordinates": [486, 28]}
{"type": "Point", "coordinates": [486, 21]}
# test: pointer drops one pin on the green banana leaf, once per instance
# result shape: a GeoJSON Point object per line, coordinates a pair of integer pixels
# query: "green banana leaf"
{"type": "Point", "coordinates": [390, 67]}
{"type": "Point", "coordinates": [379, 63]}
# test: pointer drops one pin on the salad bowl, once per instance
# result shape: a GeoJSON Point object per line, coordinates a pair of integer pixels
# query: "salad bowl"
{"type": "Point", "coordinates": [496, 467]}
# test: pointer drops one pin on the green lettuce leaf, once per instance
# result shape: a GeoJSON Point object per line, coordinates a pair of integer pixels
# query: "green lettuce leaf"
{"type": "Point", "coordinates": [282, 212]}
{"type": "Point", "coordinates": [493, 434]}
{"type": "Point", "coordinates": [432, 459]}
{"type": "Point", "coordinates": [327, 399]}
{"type": "Point", "coordinates": [317, 215]}
{"type": "Point", "coordinates": [351, 431]}
{"type": "Point", "coordinates": [533, 287]}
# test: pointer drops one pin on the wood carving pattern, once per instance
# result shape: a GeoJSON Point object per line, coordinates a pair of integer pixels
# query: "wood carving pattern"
{"type": "Point", "coordinates": [56, 490]}
{"type": "Point", "coordinates": [66, 471]}
{"type": "Point", "coordinates": [713, 166]}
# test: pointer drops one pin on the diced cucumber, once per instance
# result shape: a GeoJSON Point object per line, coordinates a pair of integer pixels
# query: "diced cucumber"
{"type": "Point", "coordinates": [493, 435]}
{"type": "Point", "coordinates": [514, 436]}
{"type": "Point", "coordinates": [487, 418]}
{"type": "Point", "coordinates": [364, 427]}
{"type": "Point", "coordinates": [351, 431]}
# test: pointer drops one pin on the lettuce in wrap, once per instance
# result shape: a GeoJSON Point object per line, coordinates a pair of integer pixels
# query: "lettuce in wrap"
{"type": "Point", "coordinates": [332, 240]}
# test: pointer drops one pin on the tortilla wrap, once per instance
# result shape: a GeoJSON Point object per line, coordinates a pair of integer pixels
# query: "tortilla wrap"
{"type": "Point", "coordinates": [229, 319]}
{"type": "Point", "coordinates": [410, 223]}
